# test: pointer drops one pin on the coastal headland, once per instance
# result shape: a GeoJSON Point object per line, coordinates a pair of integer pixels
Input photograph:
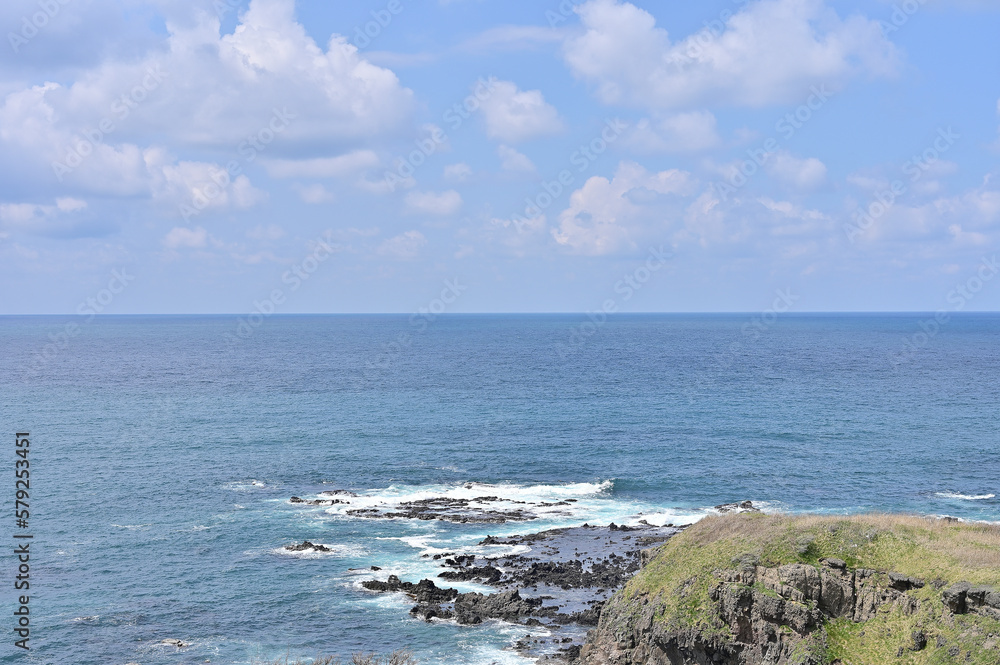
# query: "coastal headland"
{"type": "Point", "coordinates": [755, 589]}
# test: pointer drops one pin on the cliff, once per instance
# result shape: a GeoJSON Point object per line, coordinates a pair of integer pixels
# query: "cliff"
{"type": "Point", "coordinates": [753, 589]}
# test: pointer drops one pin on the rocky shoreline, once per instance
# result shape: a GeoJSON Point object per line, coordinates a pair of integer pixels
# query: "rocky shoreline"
{"type": "Point", "coordinates": [559, 581]}
{"type": "Point", "coordinates": [560, 585]}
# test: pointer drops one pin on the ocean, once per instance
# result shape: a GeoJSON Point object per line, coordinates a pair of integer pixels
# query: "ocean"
{"type": "Point", "coordinates": [165, 452]}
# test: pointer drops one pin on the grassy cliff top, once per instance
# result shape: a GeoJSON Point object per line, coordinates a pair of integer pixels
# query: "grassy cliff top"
{"type": "Point", "coordinates": [681, 576]}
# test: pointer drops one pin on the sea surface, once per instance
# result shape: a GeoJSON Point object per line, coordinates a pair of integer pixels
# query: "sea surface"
{"type": "Point", "coordinates": [165, 451]}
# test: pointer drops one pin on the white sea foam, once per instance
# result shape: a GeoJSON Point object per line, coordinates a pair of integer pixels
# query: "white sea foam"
{"type": "Point", "coordinates": [244, 485]}
{"type": "Point", "coordinates": [965, 497]}
{"type": "Point", "coordinates": [536, 500]}
{"type": "Point", "coordinates": [676, 517]}
{"type": "Point", "coordinates": [337, 551]}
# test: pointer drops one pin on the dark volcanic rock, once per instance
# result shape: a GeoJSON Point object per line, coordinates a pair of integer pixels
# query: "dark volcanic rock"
{"type": "Point", "coordinates": [424, 592]}
{"type": "Point", "coordinates": [472, 608]}
{"type": "Point", "coordinates": [472, 511]}
{"type": "Point", "coordinates": [487, 574]}
{"type": "Point", "coordinates": [428, 611]}
{"type": "Point", "coordinates": [770, 614]}
{"type": "Point", "coordinates": [902, 582]}
{"type": "Point", "coordinates": [562, 583]}
{"type": "Point", "coordinates": [316, 502]}
{"type": "Point", "coordinates": [964, 598]}
{"type": "Point", "coordinates": [306, 545]}
{"type": "Point", "coordinates": [740, 507]}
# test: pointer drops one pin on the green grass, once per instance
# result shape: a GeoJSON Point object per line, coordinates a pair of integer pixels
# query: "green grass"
{"type": "Point", "coordinates": [681, 577]}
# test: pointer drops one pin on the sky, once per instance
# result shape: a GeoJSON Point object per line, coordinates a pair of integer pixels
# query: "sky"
{"type": "Point", "coordinates": [232, 156]}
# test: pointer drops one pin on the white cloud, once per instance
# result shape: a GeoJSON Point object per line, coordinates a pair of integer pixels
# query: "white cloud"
{"type": "Point", "coordinates": [513, 37]}
{"type": "Point", "coordinates": [801, 173]}
{"type": "Point", "coordinates": [314, 194]}
{"type": "Point", "coordinates": [459, 172]}
{"type": "Point", "coordinates": [967, 238]}
{"type": "Point", "coordinates": [682, 132]}
{"type": "Point", "coordinates": [513, 115]}
{"type": "Point", "coordinates": [770, 52]}
{"type": "Point", "coordinates": [608, 216]}
{"type": "Point", "coordinates": [270, 232]}
{"type": "Point", "coordinates": [431, 203]}
{"type": "Point", "coordinates": [200, 89]}
{"type": "Point", "coordinates": [69, 204]}
{"type": "Point", "coordinates": [197, 185]}
{"type": "Point", "coordinates": [323, 167]}
{"type": "Point", "coordinates": [518, 235]}
{"type": "Point", "coordinates": [34, 217]}
{"type": "Point", "coordinates": [404, 246]}
{"type": "Point", "coordinates": [180, 237]}
{"type": "Point", "coordinates": [512, 160]}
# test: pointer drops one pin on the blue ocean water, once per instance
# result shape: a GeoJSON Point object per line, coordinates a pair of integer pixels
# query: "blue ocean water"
{"type": "Point", "coordinates": [165, 451]}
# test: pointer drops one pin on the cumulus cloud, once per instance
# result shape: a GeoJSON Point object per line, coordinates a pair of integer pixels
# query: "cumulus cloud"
{"type": "Point", "coordinates": [608, 216]}
{"type": "Point", "coordinates": [806, 173]}
{"type": "Point", "coordinates": [180, 237]}
{"type": "Point", "coordinates": [340, 166]}
{"type": "Point", "coordinates": [194, 187]}
{"type": "Point", "coordinates": [270, 232]}
{"type": "Point", "coordinates": [314, 194]}
{"type": "Point", "coordinates": [512, 160]}
{"type": "Point", "coordinates": [459, 172]}
{"type": "Point", "coordinates": [404, 246]}
{"type": "Point", "coordinates": [41, 218]}
{"type": "Point", "coordinates": [431, 203]}
{"type": "Point", "coordinates": [265, 89]}
{"type": "Point", "coordinates": [677, 133]}
{"type": "Point", "coordinates": [512, 115]}
{"type": "Point", "coordinates": [770, 52]}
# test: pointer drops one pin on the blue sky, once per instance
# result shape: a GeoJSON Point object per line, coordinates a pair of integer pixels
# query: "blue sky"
{"type": "Point", "coordinates": [520, 156]}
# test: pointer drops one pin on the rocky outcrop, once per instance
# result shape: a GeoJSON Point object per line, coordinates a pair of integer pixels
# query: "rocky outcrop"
{"type": "Point", "coordinates": [424, 592]}
{"type": "Point", "coordinates": [765, 616]}
{"type": "Point", "coordinates": [964, 598]}
{"type": "Point", "coordinates": [471, 511]}
{"type": "Point", "coordinates": [739, 507]}
{"type": "Point", "coordinates": [306, 546]}
{"type": "Point", "coordinates": [472, 608]}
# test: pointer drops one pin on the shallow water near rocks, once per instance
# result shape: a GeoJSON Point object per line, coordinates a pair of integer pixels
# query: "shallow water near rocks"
{"type": "Point", "coordinates": [164, 459]}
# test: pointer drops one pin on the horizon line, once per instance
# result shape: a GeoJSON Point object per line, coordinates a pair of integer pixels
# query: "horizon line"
{"type": "Point", "coordinates": [512, 313]}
